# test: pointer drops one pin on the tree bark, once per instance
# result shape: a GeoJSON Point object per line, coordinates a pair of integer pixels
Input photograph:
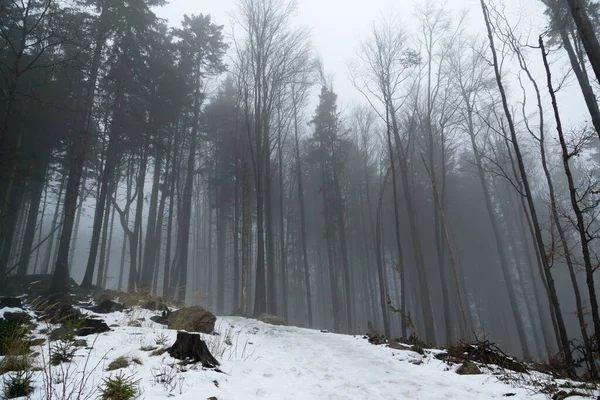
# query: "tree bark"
{"type": "Point", "coordinates": [563, 339]}
{"type": "Point", "coordinates": [587, 33]}
{"type": "Point", "coordinates": [581, 228]}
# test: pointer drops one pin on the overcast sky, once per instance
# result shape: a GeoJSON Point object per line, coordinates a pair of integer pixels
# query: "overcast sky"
{"type": "Point", "coordinates": [338, 26]}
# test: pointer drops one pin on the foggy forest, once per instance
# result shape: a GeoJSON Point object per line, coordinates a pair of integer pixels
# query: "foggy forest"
{"type": "Point", "coordinates": [214, 163]}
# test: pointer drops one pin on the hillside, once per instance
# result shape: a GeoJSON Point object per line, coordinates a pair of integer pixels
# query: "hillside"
{"type": "Point", "coordinates": [261, 361]}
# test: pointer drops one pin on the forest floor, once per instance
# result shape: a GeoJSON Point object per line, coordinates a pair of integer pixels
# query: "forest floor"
{"type": "Point", "coordinates": [261, 361]}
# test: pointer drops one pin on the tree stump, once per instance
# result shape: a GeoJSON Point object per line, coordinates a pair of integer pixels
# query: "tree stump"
{"type": "Point", "coordinates": [190, 346]}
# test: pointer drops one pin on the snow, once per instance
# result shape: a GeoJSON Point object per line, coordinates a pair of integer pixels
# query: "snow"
{"type": "Point", "coordinates": [261, 361]}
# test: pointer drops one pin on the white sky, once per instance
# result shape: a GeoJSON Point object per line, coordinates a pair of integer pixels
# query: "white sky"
{"type": "Point", "coordinates": [338, 26]}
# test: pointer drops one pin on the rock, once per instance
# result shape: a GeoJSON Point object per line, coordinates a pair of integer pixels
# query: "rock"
{"type": "Point", "coordinates": [90, 326]}
{"type": "Point", "coordinates": [82, 327]}
{"type": "Point", "coordinates": [107, 306]}
{"type": "Point", "coordinates": [16, 317]}
{"type": "Point", "coordinates": [80, 343]}
{"type": "Point", "coordinates": [10, 302]}
{"type": "Point", "coordinates": [60, 313]}
{"type": "Point", "coordinates": [468, 368]}
{"type": "Point", "coordinates": [135, 324]}
{"type": "Point", "coordinates": [114, 325]}
{"type": "Point", "coordinates": [192, 319]}
{"type": "Point", "coordinates": [271, 319]}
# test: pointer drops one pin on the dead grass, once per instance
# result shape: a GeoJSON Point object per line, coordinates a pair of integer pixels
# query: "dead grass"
{"type": "Point", "coordinates": [16, 363]}
{"type": "Point", "coordinates": [118, 363]}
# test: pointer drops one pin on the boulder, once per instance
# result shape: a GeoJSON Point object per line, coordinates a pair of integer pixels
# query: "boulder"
{"type": "Point", "coordinates": [10, 302]}
{"type": "Point", "coordinates": [82, 327]}
{"type": "Point", "coordinates": [192, 319]}
{"type": "Point", "coordinates": [107, 306]}
{"type": "Point", "coordinates": [468, 368]}
{"type": "Point", "coordinates": [59, 313]}
{"type": "Point", "coordinates": [90, 326]}
{"type": "Point", "coordinates": [271, 319]}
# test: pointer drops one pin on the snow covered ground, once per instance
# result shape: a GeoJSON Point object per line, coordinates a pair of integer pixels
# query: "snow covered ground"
{"type": "Point", "coordinates": [261, 361]}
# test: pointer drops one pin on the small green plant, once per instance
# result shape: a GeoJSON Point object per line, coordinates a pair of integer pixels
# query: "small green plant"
{"type": "Point", "coordinates": [118, 363]}
{"type": "Point", "coordinates": [17, 385]}
{"type": "Point", "coordinates": [62, 352]}
{"type": "Point", "coordinates": [119, 387]}
{"type": "Point", "coordinates": [161, 340]}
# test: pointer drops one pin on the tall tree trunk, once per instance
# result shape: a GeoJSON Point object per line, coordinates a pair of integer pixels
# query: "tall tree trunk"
{"type": "Point", "coordinates": [587, 33]}
{"type": "Point", "coordinates": [77, 152]}
{"type": "Point", "coordinates": [37, 186]}
{"type": "Point", "coordinates": [151, 247]}
{"type": "Point", "coordinates": [581, 227]}
{"type": "Point", "coordinates": [246, 215]}
{"type": "Point", "coordinates": [129, 180]}
{"type": "Point", "coordinates": [107, 174]}
{"type": "Point", "coordinates": [50, 245]}
{"type": "Point", "coordinates": [236, 235]}
{"type": "Point", "coordinates": [498, 238]}
{"type": "Point", "coordinates": [563, 340]}
{"type": "Point", "coordinates": [379, 257]}
{"type": "Point", "coordinates": [77, 220]}
{"type": "Point", "coordinates": [582, 79]}
{"type": "Point", "coordinates": [108, 250]}
{"type": "Point", "coordinates": [400, 266]}
{"type": "Point", "coordinates": [183, 236]}
{"type": "Point", "coordinates": [221, 238]}
{"type": "Point", "coordinates": [135, 241]}
{"type": "Point", "coordinates": [302, 219]}
{"type": "Point", "coordinates": [270, 230]}
{"type": "Point", "coordinates": [100, 276]}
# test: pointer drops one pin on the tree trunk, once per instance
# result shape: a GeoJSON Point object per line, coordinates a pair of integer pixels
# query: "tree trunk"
{"type": "Point", "coordinates": [151, 247]}
{"type": "Point", "coordinates": [581, 227]}
{"type": "Point", "coordinates": [500, 246]}
{"type": "Point", "coordinates": [582, 79]}
{"type": "Point", "coordinates": [37, 186]}
{"type": "Point", "coordinates": [564, 340]}
{"type": "Point", "coordinates": [107, 176]}
{"type": "Point", "coordinates": [246, 215]}
{"type": "Point", "coordinates": [50, 245]}
{"type": "Point", "coordinates": [100, 277]}
{"type": "Point", "coordinates": [302, 220]}
{"type": "Point", "coordinates": [587, 33]}
{"type": "Point", "coordinates": [185, 213]}
{"type": "Point", "coordinates": [379, 257]}
{"type": "Point", "coordinates": [78, 220]}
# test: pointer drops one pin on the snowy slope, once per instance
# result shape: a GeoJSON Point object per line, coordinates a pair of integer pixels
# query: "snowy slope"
{"type": "Point", "coordinates": [270, 362]}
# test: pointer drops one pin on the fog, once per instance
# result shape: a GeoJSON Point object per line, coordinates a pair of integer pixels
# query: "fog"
{"type": "Point", "coordinates": [425, 168]}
